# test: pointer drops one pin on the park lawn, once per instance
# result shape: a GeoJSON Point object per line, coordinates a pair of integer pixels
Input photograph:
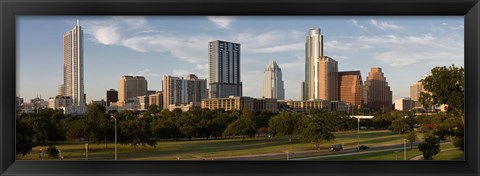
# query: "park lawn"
{"type": "Point", "coordinates": [450, 155]}
{"type": "Point", "coordinates": [205, 149]}
{"type": "Point", "coordinates": [391, 155]}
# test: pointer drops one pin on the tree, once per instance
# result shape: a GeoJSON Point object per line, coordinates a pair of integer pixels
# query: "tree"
{"type": "Point", "coordinates": [411, 137]}
{"type": "Point", "coordinates": [52, 151]}
{"type": "Point", "coordinates": [24, 139]}
{"type": "Point", "coordinates": [316, 128]}
{"type": "Point", "coordinates": [400, 125]}
{"type": "Point", "coordinates": [445, 86]}
{"type": "Point", "coordinates": [242, 126]}
{"type": "Point", "coordinates": [136, 132]}
{"type": "Point", "coordinates": [430, 146]}
{"type": "Point", "coordinates": [285, 124]}
{"type": "Point", "coordinates": [188, 125]}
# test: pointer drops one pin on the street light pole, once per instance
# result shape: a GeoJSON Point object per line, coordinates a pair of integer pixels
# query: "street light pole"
{"type": "Point", "coordinates": [358, 134]}
{"type": "Point", "coordinates": [115, 136]}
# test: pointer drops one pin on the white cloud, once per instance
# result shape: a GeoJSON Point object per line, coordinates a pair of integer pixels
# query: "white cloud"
{"type": "Point", "coordinates": [221, 21]}
{"type": "Point", "coordinates": [355, 23]}
{"type": "Point", "coordinates": [146, 72]}
{"type": "Point", "coordinates": [280, 48]}
{"type": "Point", "coordinates": [180, 72]}
{"type": "Point", "coordinates": [384, 25]}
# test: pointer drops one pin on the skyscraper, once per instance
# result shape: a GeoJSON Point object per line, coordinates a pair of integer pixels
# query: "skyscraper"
{"type": "Point", "coordinates": [350, 88]}
{"type": "Point", "coordinates": [177, 90]}
{"type": "Point", "coordinates": [224, 68]}
{"type": "Point", "coordinates": [73, 69]}
{"type": "Point", "coordinates": [131, 86]}
{"type": "Point", "coordinates": [313, 51]}
{"type": "Point", "coordinates": [273, 82]}
{"type": "Point", "coordinates": [327, 88]}
{"type": "Point", "coordinates": [376, 92]}
{"type": "Point", "coordinates": [417, 88]}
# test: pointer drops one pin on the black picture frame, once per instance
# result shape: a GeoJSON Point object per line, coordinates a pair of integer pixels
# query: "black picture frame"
{"type": "Point", "coordinates": [9, 9]}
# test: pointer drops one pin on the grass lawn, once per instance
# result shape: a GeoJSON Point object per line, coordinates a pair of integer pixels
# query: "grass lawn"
{"type": "Point", "coordinates": [204, 149]}
{"type": "Point", "coordinates": [391, 155]}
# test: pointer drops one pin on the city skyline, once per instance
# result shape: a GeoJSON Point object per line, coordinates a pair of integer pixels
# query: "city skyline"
{"type": "Point", "coordinates": [259, 45]}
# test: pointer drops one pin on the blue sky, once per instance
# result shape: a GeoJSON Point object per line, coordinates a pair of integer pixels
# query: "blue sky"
{"type": "Point", "coordinates": [404, 47]}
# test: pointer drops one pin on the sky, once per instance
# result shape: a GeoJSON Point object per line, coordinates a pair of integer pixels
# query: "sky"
{"type": "Point", "coordinates": [404, 47]}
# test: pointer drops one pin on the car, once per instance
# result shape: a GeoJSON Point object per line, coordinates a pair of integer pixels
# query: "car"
{"type": "Point", "coordinates": [362, 147]}
{"type": "Point", "coordinates": [336, 147]}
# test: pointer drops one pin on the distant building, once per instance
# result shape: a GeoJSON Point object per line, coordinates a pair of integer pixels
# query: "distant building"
{"type": "Point", "coordinates": [98, 102]}
{"type": "Point", "coordinates": [143, 101]}
{"type": "Point", "coordinates": [350, 88]}
{"type": "Point", "coordinates": [73, 77]}
{"type": "Point", "coordinates": [327, 79]}
{"type": "Point", "coordinates": [273, 82]}
{"type": "Point", "coordinates": [60, 102]}
{"type": "Point", "coordinates": [240, 103]}
{"type": "Point", "coordinates": [156, 99]}
{"type": "Point", "coordinates": [376, 92]}
{"type": "Point", "coordinates": [326, 105]}
{"type": "Point", "coordinates": [131, 86]}
{"type": "Point", "coordinates": [224, 69]}
{"type": "Point", "coordinates": [112, 96]}
{"type": "Point", "coordinates": [404, 104]}
{"type": "Point", "coordinates": [177, 90]}
{"type": "Point", "coordinates": [313, 51]}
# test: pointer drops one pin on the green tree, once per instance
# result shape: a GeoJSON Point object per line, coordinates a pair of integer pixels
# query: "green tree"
{"type": "Point", "coordinates": [242, 126]}
{"type": "Point", "coordinates": [430, 146]}
{"type": "Point", "coordinates": [136, 132]}
{"type": "Point", "coordinates": [188, 125]}
{"type": "Point", "coordinates": [411, 137]}
{"type": "Point", "coordinates": [446, 86]}
{"type": "Point", "coordinates": [24, 139]}
{"type": "Point", "coordinates": [317, 128]}
{"type": "Point", "coordinates": [285, 123]}
{"type": "Point", "coordinates": [400, 125]}
{"type": "Point", "coordinates": [52, 151]}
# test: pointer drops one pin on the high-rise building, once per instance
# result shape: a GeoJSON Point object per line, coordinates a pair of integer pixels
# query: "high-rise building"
{"type": "Point", "coordinates": [224, 69]}
{"type": "Point", "coordinates": [178, 90]}
{"type": "Point", "coordinates": [273, 82]}
{"type": "Point", "coordinates": [73, 86]}
{"type": "Point", "coordinates": [131, 86]}
{"type": "Point", "coordinates": [327, 88]}
{"type": "Point", "coordinates": [313, 51]}
{"type": "Point", "coordinates": [112, 96]}
{"type": "Point", "coordinates": [61, 89]}
{"type": "Point", "coordinates": [350, 88]}
{"type": "Point", "coordinates": [376, 92]}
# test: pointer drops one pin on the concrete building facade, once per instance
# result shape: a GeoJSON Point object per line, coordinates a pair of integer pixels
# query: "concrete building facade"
{"type": "Point", "coordinates": [129, 87]}
{"type": "Point", "coordinates": [178, 90]}
{"type": "Point", "coordinates": [73, 79]}
{"type": "Point", "coordinates": [273, 86]}
{"type": "Point", "coordinates": [224, 69]}
{"type": "Point", "coordinates": [313, 51]}
{"type": "Point", "coordinates": [376, 92]}
{"type": "Point", "coordinates": [350, 88]}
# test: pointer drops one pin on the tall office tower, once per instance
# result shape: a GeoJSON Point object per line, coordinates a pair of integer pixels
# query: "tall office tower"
{"type": "Point", "coordinates": [350, 88]}
{"type": "Point", "coordinates": [376, 92]}
{"type": "Point", "coordinates": [112, 96]}
{"type": "Point", "coordinates": [327, 88]}
{"type": "Point", "coordinates": [224, 69]}
{"type": "Point", "coordinates": [73, 69]}
{"type": "Point", "coordinates": [131, 86]}
{"type": "Point", "coordinates": [313, 51]}
{"type": "Point", "coordinates": [177, 90]}
{"type": "Point", "coordinates": [273, 82]}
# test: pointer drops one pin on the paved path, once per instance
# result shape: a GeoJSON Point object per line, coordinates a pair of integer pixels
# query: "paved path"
{"type": "Point", "coordinates": [421, 156]}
